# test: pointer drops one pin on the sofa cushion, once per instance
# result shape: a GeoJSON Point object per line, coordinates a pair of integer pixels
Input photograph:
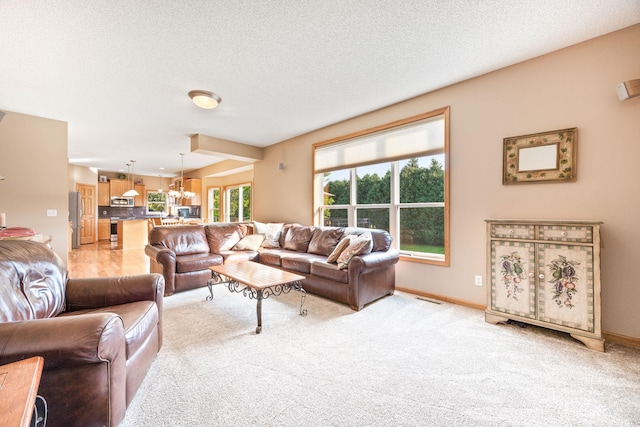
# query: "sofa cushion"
{"type": "Point", "coordinates": [269, 256]}
{"type": "Point", "coordinates": [181, 239]}
{"type": "Point", "coordinates": [232, 257]}
{"type": "Point", "coordinates": [330, 272]}
{"type": "Point", "coordinates": [325, 240]}
{"type": "Point", "coordinates": [299, 262]}
{"type": "Point", "coordinates": [250, 242]}
{"type": "Point", "coordinates": [196, 262]}
{"type": "Point", "coordinates": [298, 238]}
{"type": "Point", "coordinates": [223, 237]}
{"type": "Point", "coordinates": [340, 247]}
{"type": "Point", "coordinates": [358, 246]}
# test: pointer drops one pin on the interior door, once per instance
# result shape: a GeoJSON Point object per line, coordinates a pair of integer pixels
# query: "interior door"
{"type": "Point", "coordinates": [87, 213]}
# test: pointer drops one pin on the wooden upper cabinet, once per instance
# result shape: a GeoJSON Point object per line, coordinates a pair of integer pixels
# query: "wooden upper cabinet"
{"type": "Point", "coordinates": [141, 198]}
{"type": "Point", "coordinates": [117, 187]}
{"type": "Point", "coordinates": [103, 194]}
{"type": "Point", "coordinates": [193, 185]}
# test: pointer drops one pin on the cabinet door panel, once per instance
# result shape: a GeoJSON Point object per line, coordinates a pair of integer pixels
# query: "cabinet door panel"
{"type": "Point", "coordinates": [566, 293]}
{"type": "Point", "coordinates": [512, 280]}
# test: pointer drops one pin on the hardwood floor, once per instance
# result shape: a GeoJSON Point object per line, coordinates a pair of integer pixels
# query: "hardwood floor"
{"type": "Point", "coordinates": [98, 259]}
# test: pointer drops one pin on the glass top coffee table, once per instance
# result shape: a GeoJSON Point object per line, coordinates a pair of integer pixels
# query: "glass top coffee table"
{"type": "Point", "coordinates": [258, 282]}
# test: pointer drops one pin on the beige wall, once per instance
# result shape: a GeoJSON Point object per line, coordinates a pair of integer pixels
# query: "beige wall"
{"type": "Point", "coordinates": [574, 87]}
{"type": "Point", "coordinates": [33, 159]}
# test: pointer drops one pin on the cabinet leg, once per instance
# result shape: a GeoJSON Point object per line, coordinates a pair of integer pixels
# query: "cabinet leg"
{"type": "Point", "coordinates": [493, 319]}
{"type": "Point", "coordinates": [591, 343]}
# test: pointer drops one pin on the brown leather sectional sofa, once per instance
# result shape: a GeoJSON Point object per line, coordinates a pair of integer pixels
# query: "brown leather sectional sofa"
{"type": "Point", "coordinates": [98, 336]}
{"type": "Point", "coordinates": [183, 253]}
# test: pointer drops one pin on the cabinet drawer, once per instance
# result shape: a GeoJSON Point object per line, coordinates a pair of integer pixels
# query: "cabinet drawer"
{"type": "Point", "coordinates": [513, 231]}
{"type": "Point", "coordinates": [566, 233]}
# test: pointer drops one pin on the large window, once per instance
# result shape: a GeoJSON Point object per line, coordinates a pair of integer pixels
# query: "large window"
{"type": "Point", "coordinates": [237, 202]}
{"type": "Point", "coordinates": [394, 178]}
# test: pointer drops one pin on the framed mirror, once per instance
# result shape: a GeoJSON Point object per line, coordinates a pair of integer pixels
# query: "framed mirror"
{"type": "Point", "coordinates": [540, 157]}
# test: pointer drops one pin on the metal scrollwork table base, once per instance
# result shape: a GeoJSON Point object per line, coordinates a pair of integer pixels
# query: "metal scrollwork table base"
{"type": "Point", "coordinates": [258, 282]}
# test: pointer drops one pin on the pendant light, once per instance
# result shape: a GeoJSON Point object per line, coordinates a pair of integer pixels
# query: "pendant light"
{"type": "Point", "coordinates": [181, 194]}
{"type": "Point", "coordinates": [132, 192]}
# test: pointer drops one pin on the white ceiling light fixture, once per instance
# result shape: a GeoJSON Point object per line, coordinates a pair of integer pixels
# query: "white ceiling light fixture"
{"type": "Point", "coordinates": [181, 194]}
{"type": "Point", "coordinates": [132, 192]}
{"type": "Point", "coordinates": [205, 99]}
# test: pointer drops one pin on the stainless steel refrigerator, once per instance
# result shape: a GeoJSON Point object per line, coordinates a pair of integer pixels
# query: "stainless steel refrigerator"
{"type": "Point", "coordinates": [75, 217]}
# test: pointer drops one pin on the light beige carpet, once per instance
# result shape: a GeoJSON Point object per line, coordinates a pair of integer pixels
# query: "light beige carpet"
{"type": "Point", "coordinates": [400, 361]}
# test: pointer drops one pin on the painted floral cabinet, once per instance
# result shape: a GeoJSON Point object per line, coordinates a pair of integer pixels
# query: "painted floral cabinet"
{"type": "Point", "coordinates": [546, 273]}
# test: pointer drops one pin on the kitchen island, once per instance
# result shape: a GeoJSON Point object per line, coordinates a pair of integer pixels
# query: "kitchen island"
{"type": "Point", "coordinates": [132, 234]}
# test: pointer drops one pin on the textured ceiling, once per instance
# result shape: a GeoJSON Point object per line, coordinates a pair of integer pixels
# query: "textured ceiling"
{"type": "Point", "coordinates": [119, 71]}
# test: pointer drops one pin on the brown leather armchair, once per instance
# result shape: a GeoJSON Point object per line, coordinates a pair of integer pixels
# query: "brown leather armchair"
{"type": "Point", "coordinates": [98, 336]}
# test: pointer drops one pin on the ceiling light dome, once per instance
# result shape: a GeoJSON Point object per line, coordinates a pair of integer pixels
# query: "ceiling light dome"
{"type": "Point", "coordinates": [205, 99]}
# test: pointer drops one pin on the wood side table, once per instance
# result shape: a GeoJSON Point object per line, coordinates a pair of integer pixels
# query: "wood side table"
{"type": "Point", "coordinates": [19, 382]}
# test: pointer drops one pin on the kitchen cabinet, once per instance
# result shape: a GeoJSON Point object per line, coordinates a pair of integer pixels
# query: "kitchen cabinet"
{"type": "Point", "coordinates": [104, 229]}
{"type": "Point", "coordinates": [193, 185]}
{"type": "Point", "coordinates": [141, 198]}
{"type": "Point", "coordinates": [546, 273]}
{"type": "Point", "coordinates": [117, 187]}
{"type": "Point", "coordinates": [103, 194]}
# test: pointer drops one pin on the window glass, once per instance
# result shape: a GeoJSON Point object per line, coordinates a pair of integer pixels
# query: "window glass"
{"type": "Point", "coordinates": [373, 184]}
{"type": "Point", "coordinates": [238, 202]}
{"type": "Point", "coordinates": [337, 190]}
{"type": "Point", "coordinates": [156, 201]}
{"type": "Point", "coordinates": [373, 218]}
{"type": "Point", "coordinates": [336, 217]}
{"type": "Point", "coordinates": [422, 179]}
{"type": "Point", "coordinates": [213, 204]}
{"type": "Point", "coordinates": [422, 230]}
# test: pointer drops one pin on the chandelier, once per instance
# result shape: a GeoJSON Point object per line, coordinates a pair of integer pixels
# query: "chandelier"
{"type": "Point", "coordinates": [181, 194]}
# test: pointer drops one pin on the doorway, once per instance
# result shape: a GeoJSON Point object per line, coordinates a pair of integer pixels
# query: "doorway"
{"type": "Point", "coordinates": [88, 218]}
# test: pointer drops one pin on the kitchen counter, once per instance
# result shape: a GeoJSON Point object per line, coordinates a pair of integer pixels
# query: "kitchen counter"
{"type": "Point", "coordinates": [132, 233]}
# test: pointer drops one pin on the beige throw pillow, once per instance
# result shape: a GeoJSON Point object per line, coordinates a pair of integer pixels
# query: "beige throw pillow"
{"type": "Point", "coordinates": [341, 246]}
{"type": "Point", "coordinates": [250, 242]}
{"type": "Point", "coordinates": [272, 235]}
{"type": "Point", "coordinates": [357, 246]}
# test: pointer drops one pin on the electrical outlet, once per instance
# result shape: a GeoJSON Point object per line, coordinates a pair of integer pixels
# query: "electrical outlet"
{"type": "Point", "coordinates": [478, 280]}
{"type": "Point", "coordinates": [52, 212]}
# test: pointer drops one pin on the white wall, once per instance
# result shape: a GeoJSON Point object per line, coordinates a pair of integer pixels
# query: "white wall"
{"type": "Point", "coordinates": [573, 87]}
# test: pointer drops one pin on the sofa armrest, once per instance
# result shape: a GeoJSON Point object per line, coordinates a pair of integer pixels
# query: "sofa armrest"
{"type": "Point", "coordinates": [65, 340]}
{"type": "Point", "coordinates": [95, 292]}
{"type": "Point", "coordinates": [373, 261]}
{"type": "Point", "coordinates": [161, 255]}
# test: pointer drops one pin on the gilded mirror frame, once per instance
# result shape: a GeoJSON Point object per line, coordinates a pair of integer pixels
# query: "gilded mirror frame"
{"type": "Point", "coordinates": [540, 157]}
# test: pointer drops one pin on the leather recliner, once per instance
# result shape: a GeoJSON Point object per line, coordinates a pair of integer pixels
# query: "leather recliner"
{"type": "Point", "coordinates": [98, 336]}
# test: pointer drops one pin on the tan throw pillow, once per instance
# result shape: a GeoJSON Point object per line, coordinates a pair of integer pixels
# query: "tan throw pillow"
{"type": "Point", "coordinates": [272, 235]}
{"type": "Point", "coordinates": [341, 246]}
{"type": "Point", "coordinates": [250, 242]}
{"type": "Point", "coordinates": [358, 246]}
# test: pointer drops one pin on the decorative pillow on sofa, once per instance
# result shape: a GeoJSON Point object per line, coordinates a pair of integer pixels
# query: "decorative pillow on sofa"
{"type": "Point", "coordinates": [250, 242]}
{"type": "Point", "coordinates": [298, 238]}
{"type": "Point", "coordinates": [341, 246]}
{"type": "Point", "coordinates": [324, 240]}
{"type": "Point", "coordinates": [358, 246]}
{"type": "Point", "coordinates": [271, 232]}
